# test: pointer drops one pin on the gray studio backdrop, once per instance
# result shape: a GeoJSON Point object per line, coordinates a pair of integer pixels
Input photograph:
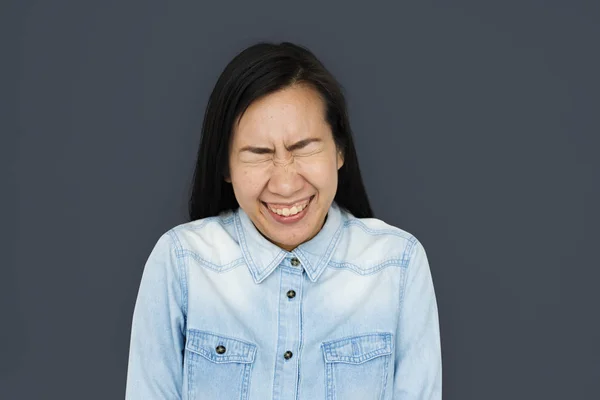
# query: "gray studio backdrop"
{"type": "Point", "coordinates": [477, 130]}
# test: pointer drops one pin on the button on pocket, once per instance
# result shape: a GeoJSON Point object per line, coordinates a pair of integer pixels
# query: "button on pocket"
{"type": "Point", "coordinates": [218, 366]}
{"type": "Point", "coordinates": [357, 367]}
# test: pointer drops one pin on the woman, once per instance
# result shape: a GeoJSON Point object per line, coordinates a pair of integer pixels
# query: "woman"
{"type": "Point", "coordinates": [283, 285]}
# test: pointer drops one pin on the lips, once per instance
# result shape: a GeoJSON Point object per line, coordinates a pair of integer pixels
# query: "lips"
{"type": "Point", "coordinates": [290, 209]}
{"type": "Point", "coordinates": [289, 205]}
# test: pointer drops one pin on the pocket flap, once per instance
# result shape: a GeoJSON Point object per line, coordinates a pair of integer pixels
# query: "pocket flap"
{"type": "Point", "coordinates": [219, 348]}
{"type": "Point", "coordinates": [357, 349]}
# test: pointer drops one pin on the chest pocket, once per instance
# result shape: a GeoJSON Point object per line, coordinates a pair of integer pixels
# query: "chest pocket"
{"type": "Point", "coordinates": [218, 366]}
{"type": "Point", "coordinates": [357, 367]}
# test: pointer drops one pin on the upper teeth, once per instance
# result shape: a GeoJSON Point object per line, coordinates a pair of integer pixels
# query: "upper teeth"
{"type": "Point", "coordinates": [289, 211]}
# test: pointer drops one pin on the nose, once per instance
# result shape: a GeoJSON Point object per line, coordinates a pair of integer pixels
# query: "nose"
{"type": "Point", "coordinates": [285, 180]}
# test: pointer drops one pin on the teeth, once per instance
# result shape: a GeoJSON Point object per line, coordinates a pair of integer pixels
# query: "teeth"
{"type": "Point", "coordinates": [288, 211]}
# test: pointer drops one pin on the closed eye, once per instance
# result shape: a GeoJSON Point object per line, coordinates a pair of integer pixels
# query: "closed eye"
{"type": "Point", "coordinates": [266, 150]}
{"type": "Point", "coordinates": [302, 144]}
{"type": "Point", "coordinates": [257, 150]}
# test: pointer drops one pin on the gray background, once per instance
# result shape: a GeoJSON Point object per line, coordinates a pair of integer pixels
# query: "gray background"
{"type": "Point", "coordinates": [477, 130]}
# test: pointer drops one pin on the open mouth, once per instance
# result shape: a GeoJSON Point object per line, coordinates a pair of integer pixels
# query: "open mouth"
{"type": "Point", "coordinates": [290, 213]}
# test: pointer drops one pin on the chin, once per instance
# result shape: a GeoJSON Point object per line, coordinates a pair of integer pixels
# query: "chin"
{"type": "Point", "coordinates": [288, 243]}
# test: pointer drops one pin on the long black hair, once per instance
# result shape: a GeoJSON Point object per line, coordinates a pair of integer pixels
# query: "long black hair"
{"type": "Point", "coordinates": [259, 70]}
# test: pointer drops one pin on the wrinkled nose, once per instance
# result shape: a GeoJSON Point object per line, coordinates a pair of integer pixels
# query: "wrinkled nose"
{"type": "Point", "coordinates": [285, 180]}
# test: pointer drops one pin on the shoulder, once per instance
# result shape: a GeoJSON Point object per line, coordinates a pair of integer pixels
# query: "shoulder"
{"type": "Point", "coordinates": [211, 241]}
{"type": "Point", "coordinates": [370, 244]}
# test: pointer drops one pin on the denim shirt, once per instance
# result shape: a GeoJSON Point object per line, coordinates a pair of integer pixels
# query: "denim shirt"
{"type": "Point", "coordinates": [223, 314]}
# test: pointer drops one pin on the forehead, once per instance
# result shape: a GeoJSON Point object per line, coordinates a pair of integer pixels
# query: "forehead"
{"type": "Point", "coordinates": [294, 111]}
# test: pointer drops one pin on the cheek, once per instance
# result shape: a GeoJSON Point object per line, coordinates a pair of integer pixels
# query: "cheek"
{"type": "Point", "coordinates": [249, 182]}
{"type": "Point", "coordinates": [319, 172]}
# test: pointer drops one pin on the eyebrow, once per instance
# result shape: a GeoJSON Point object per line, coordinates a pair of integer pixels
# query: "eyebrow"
{"type": "Point", "coordinates": [266, 150]}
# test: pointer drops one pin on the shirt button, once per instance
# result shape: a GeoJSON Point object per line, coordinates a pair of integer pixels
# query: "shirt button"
{"type": "Point", "coordinates": [287, 355]}
{"type": "Point", "coordinates": [295, 262]}
{"type": "Point", "coordinates": [220, 349]}
{"type": "Point", "coordinates": [291, 294]}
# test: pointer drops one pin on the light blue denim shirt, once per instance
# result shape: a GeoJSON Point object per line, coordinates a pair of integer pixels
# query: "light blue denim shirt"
{"type": "Point", "coordinates": [223, 314]}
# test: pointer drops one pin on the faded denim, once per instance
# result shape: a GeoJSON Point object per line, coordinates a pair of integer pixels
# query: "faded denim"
{"type": "Point", "coordinates": [224, 314]}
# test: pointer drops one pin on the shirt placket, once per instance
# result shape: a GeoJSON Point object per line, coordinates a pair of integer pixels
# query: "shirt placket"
{"type": "Point", "coordinates": [286, 378]}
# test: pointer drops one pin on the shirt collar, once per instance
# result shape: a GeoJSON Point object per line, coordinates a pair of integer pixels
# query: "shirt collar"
{"type": "Point", "coordinates": [262, 256]}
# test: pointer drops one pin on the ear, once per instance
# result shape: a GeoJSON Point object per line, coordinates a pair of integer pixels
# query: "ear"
{"type": "Point", "coordinates": [226, 174]}
{"type": "Point", "coordinates": [340, 160]}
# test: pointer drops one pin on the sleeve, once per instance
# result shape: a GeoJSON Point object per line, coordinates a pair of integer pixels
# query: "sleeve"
{"type": "Point", "coordinates": [155, 368]}
{"type": "Point", "coordinates": [418, 362]}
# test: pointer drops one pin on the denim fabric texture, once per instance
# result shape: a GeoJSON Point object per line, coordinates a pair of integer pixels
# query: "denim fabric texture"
{"type": "Point", "coordinates": [223, 314]}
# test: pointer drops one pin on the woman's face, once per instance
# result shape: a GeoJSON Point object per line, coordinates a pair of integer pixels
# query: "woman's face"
{"type": "Point", "coordinates": [283, 165]}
